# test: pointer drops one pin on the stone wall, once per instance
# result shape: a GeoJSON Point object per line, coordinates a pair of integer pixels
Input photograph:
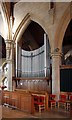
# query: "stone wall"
{"type": "Point", "coordinates": [40, 13]}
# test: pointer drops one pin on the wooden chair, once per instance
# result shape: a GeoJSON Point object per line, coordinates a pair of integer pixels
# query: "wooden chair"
{"type": "Point", "coordinates": [36, 102]}
{"type": "Point", "coordinates": [52, 100]}
{"type": "Point", "coordinates": [62, 101]}
{"type": "Point", "coordinates": [39, 102]}
{"type": "Point", "coordinates": [69, 102]}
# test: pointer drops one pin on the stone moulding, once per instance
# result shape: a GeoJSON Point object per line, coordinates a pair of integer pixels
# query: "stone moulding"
{"type": "Point", "coordinates": [27, 17]}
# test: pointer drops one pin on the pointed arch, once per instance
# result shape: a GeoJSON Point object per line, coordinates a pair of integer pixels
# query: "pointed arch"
{"type": "Point", "coordinates": [5, 18]}
{"type": "Point", "coordinates": [22, 26]}
{"type": "Point", "coordinates": [62, 26]}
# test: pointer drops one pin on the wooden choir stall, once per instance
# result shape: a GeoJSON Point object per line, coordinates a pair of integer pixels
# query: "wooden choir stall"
{"type": "Point", "coordinates": [25, 99]}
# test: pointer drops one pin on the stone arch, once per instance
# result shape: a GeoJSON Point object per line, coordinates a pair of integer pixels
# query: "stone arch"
{"type": "Point", "coordinates": [21, 28]}
{"type": "Point", "coordinates": [24, 24]}
{"type": "Point", "coordinates": [62, 26]}
{"type": "Point", "coordinates": [44, 26]}
{"type": "Point", "coordinates": [5, 18]}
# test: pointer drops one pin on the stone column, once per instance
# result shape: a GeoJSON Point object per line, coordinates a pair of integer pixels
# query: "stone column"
{"type": "Point", "coordinates": [10, 53]}
{"type": "Point", "coordinates": [10, 62]}
{"type": "Point", "coordinates": [56, 61]}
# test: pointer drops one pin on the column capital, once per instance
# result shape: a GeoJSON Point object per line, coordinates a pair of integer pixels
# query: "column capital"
{"type": "Point", "coordinates": [9, 41]}
{"type": "Point", "coordinates": [56, 52]}
{"type": "Point", "coordinates": [10, 60]}
{"type": "Point", "coordinates": [9, 44]}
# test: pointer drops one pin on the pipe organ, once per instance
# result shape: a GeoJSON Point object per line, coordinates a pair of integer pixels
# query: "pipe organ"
{"type": "Point", "coordinates": [34, 63]}
{"type": "Point", "coordinates": [33, 66]}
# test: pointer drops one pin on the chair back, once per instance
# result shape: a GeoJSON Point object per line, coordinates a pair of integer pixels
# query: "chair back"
{"type": "Point", "coordinates": [52, 96]}
{"type": "Point", "coordinates": [63, 97]}
{"type": "Point", "coordinates": [70, 97]}
{"type": "Point", "coordinates": [41, 100]}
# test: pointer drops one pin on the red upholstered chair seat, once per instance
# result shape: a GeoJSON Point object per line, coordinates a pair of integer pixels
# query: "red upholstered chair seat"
{"type": "Point", "coordinates": [40, 103]}
{"type": "Point", "coordinates": [52, 100]}
{"type": "Point", "coordinates": [62, 101]}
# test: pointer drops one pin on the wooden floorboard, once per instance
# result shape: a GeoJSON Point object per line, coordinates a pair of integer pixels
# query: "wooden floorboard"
{"type": "Point", "coordinates": [13, 113]}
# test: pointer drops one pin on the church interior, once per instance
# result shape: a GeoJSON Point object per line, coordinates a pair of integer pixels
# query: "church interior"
{"type": "Point", "coordinates": [35, 59]}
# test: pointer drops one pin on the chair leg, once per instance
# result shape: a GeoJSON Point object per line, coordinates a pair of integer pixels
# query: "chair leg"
{"type": "Point", "coordinates": [58, 104]}
{"type": "Point", "coordinates": [39, 109]}
{"type": "Point", "coordinates": [68, 106]}
{"type": "Point", "coordinates": [53, 105]}
{"type": "Point", "coordinates": [65, 106]}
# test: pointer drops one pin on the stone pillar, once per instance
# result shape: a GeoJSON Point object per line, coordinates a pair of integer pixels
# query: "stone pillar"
{"type": "Point", "coordinates": [56, 61]}
{"type": "Point", "coordinates": [10, 54]}
{"type": "Point", "coordinates": [10, 62]}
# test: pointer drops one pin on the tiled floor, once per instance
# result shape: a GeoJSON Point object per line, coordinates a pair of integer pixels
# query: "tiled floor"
{"type": "Point", "coordinates": [55, 113]}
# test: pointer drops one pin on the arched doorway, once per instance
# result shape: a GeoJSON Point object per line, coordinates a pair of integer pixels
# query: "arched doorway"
{"type": "Point", "coordinates": [33, 58]}
{"type": "Point", "coordinates": [66, 71]}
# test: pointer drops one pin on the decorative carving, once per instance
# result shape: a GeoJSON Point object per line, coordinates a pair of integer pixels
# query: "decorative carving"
{"type": "Point", "coordinates": [56, 50]}
{"type": "Point", "coordinates": [9, 46]}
